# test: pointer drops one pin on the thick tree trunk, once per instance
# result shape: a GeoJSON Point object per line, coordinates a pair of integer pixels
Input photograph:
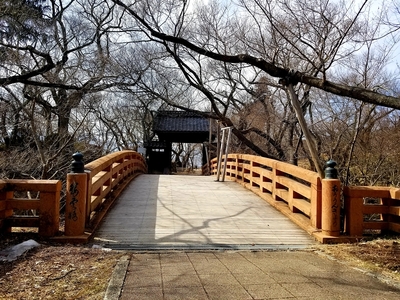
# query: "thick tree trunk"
{"type": "Point", "coordinates": [309, 138]}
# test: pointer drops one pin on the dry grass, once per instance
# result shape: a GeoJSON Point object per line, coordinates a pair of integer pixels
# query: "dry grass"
{"type": "Point", "coordinates": [380, 256]}
{"type": "Point", "coordinates": [58, 272]}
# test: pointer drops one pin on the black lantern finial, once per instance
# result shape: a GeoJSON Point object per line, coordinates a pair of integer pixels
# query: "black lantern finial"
{"type": "Point", "coordinates": [77, 165]}
{"type": "Point", "coordinates": [330, 171]}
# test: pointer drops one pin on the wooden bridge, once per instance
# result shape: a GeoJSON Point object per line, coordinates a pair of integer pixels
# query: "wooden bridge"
{"type": "Point", "coordinates": [195, 212]}
{"type": "Point", "coordinates": [305, 199]}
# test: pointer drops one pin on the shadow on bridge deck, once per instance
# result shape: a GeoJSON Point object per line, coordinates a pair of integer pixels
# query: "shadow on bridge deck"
{"type": "Point", "coordinates": [195, 212]}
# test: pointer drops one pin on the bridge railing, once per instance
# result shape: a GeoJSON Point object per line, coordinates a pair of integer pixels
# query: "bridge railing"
{"type": "Point", "coordinates": [314, 203]}
{"type": "Point", "coordinates": [16, 198]}
{"type": "Point", "coordinates": [107, 172]}
{"type": "Point", "coordinates": [89, 195]}
{"type": "Point", "coordinates": [370, 209]}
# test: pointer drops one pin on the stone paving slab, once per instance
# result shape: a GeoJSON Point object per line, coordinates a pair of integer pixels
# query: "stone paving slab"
{"type": "Point", "coordinates": [247, 275]}
{"type": "Point", "coordinates": [167, 211]}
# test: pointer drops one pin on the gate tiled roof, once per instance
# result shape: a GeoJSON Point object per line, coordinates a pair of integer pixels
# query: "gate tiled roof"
{"type": "Point", "coordinates": [180, 121]}
{"type": "Point", "coordinates": [181, 127]}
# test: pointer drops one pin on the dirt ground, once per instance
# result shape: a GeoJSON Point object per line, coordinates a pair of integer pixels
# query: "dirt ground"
{"type": "Point", "coordinates": [82, 272]}
{"type": "Point", "coordinates": [56, 272]}
{"type": "Point", "coordinates": [380, 256]}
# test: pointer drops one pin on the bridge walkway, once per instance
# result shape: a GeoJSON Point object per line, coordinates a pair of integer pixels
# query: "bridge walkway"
{"type": "Point", "coordinates": [195, 212]}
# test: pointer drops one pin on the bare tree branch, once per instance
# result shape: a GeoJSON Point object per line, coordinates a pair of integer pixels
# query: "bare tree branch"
{"type": "Point", "coordinates": [354, 92]}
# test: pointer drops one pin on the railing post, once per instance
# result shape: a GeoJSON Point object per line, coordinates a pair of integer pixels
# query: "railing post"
{"type": "Point", "coordinates": [354, 220]}
{"type": "Point", "coordinates": [49, 220]}
{"type": "Point", "coordinates": [330, 221]}
{"type": "Point", "coordinates": [75, 209]}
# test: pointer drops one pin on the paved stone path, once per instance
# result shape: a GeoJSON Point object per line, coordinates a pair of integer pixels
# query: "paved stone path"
{"type": "Point", "coordinates": [235, 275]}
{"type": "Point", "coordinates": [195, 212]}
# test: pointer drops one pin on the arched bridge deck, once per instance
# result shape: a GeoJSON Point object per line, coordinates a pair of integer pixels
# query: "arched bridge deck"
{"type": "Point", "coordinates": [195, 212]}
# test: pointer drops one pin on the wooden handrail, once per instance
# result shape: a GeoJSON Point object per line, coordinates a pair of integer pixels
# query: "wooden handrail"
{"type": "Point", "coordinates": [47, 204]}
{"type": "Point", "coordinates": [105, 173]}
{"type": "Point", "coordinates": [385, 208]}
{"type": "Point", "coordinates": [104, 178]}
{"type": "Point", "coordinates": [101, 182]}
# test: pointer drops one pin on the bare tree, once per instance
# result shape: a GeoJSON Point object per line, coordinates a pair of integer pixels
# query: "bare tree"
{"type": "Point", "coordinates": [81, 42]}
{"type": "Point", "coordinates": [299, 43]}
